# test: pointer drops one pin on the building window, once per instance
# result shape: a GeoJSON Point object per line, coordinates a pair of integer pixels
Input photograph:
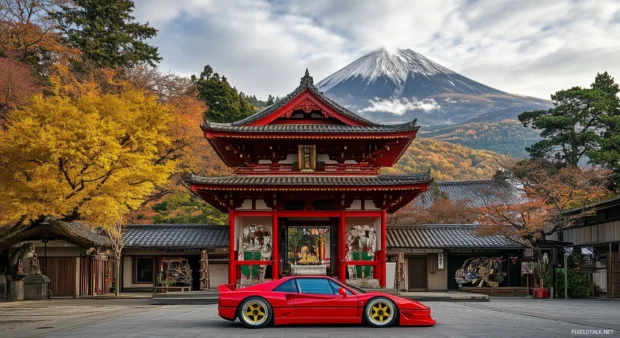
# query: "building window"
{"type": "Point", "coordinates": [144, 270]}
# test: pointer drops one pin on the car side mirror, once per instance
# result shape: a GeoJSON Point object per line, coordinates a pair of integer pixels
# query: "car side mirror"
{"type": "Point", "coordinates": [342, 292]}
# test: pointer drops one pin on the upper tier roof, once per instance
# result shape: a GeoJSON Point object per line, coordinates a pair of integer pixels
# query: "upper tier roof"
{"type": "Point", "coordinates": [313, 128]}
{"type": "Point", "coordinates": [312, 182]}
{"type": "Point", "coordinates": [352, 122]}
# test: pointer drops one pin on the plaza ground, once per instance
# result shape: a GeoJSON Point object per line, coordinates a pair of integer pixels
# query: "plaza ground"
{"type": "Point", "coordinates": [137, 318]}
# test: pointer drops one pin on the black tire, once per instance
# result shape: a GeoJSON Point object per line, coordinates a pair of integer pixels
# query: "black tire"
{"type": "Point", "coordinates": [255, 312]}
{"type": "Point", "coordinates": [380, 312]}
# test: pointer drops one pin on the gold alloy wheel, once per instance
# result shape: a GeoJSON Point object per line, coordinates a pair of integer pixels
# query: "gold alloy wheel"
{"type": "Point", "coordinates": [254, 312]}
{"type": "Point", "coordinates": [380, 312]}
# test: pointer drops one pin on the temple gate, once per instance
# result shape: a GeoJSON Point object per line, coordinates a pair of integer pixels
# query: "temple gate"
{"type": "Point", "coordinates": [306, 197]}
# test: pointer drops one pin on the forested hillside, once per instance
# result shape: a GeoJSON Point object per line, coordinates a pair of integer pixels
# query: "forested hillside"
{"type": "Point", "coordinates": [447, 161]}
{"type": "Point", "coordinates": [505, 137]}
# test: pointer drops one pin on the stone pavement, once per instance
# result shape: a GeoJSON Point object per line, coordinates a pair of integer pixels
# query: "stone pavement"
{"type": "Point", "coordinates": [132, 318]}
{"type": "Point", "coordinates": [454, 296]}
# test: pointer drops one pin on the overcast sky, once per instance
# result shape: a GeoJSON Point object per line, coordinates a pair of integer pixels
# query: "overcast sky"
{"type": "Point", "coordinates": [263, 47]}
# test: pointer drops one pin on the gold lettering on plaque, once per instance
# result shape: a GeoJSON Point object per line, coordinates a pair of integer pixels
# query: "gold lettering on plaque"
{"type": "Point", "coordinates": [306, 156]}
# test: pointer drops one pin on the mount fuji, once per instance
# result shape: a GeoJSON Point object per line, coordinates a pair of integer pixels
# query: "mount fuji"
{"type": "Point", "coordinates": [394, 87]}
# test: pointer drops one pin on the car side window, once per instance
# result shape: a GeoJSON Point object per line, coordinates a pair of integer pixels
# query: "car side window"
{"type": "Point", "coordinates": [336, 286]}
{"type": "Point", "coordinates": [315, 286]}
{"type": "Point", "coordinates": [288, 286]}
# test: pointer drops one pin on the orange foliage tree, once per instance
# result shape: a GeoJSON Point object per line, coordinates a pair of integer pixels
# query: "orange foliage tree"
{"type": "Point", "coordinates": [189, 147]}
{"type": "Point", "coordinates": [434, 207]}
{"type": "Point", "coordinates": [29, 34]}
{"type": "Point", "coordinates": [16, 83]}
{"type": "Point", "coordinates": [531, 200]}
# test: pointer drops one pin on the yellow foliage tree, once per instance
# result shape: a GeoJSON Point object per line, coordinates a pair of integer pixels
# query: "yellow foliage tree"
{"type": "Point", "coordinates": [91, 157]}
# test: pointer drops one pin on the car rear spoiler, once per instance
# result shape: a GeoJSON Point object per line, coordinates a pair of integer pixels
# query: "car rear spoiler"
{"type": "Point", "coordinates": [223, 288]}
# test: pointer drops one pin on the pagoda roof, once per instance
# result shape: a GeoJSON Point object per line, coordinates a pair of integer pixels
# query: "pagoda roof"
{"type": "Point", "coordinates": [307, 93]}
{"type": "Point", "coordinates": [312, 182]}
{"type": "Point", "coordinates": [313, 128]}
{"type": "Point", "coordinates": [306, 83]}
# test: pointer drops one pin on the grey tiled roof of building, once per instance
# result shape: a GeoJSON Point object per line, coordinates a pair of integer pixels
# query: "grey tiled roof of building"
{"type": "Point", "coordinates": [78, 233]}
{"type": "Point", "coordinates": [443, 236]}
{"type": "Point", "coordinates": [314, 180]}
{"type": "Point", "coordinates": [175, 236]}
{"type": "Point", "coordinates": [312, 128]}
{"type": "Point", "coordinates": [198, 236]}
{"type": "Point", "coordinates": [476, 193]}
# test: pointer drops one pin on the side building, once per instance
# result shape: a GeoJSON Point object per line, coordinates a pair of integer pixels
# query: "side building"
{"type": "Point", "coordinates": [596, 239]}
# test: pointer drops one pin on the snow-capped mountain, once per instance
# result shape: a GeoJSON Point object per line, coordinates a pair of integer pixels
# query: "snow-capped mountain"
{"type": "Point", "coordinates": [392, 87]}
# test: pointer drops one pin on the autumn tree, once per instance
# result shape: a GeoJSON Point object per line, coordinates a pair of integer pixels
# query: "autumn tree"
{"type": "Point", "coordinates": [441, 211]}
{"type": "Point", "coordinates": [16, 84]}
{"type": "Point", "coordinates": [28, 34]}
{"type": "Point", "coordinates": [90, 157]}
{"type": "Point", "coordinates": [530, 200]}
{"type": "Point", "coordinates": [115, 235]}
{"type": "Point", "coordinates": [173, 202]}
{"type": "Point", "coordinates": [106, 33]}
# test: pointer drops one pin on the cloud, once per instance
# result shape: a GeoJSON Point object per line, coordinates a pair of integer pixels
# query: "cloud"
{"type": "Point", "coordinates": [529, 47]}
{"type": "Point", "coordinates": [401, 106]}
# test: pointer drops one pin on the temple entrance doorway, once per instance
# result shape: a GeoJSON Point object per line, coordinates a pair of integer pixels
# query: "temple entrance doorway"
{"type": "Point", "coordinates": [309, 248]}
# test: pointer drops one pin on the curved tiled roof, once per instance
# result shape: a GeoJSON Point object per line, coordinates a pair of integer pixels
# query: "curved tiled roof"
{"type": "Point", "coordinates": [443, 236]}
{"type": "Point", "coordinates": [74, 232]}
{"type": "Point", "coordinates": [180, 236]}
{"type": "Point", "coordinates": [477, 193]}
{"type": "Point", "coordinates": [312, 128]}
{"type": "Point", "coordinates": [312, 180]}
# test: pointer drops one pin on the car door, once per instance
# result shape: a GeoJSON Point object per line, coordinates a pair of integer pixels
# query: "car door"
{"type": "Point", "coordinates": [319, 300]}
{"type": "Point", "coordinates": [282, 299]}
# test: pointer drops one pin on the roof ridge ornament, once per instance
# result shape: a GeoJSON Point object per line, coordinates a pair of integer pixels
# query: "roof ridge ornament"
{"type": "Point", "coordinates": [307, 80]}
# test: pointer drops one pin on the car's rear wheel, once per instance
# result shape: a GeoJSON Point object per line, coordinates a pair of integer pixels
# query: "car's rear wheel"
{"type": "Point", "coordinates": [380, 312]}
{"type": "Point", "coordinates": [255, 312]}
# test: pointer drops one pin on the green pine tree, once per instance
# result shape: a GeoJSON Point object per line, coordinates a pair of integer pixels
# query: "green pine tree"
{"type": "Point", "coordinates": [569, 128]}
{"type": "Point", "coordinates": [608, 153]}
{"type": "Point", "coordinates": [224, 102]}
{"type": "Point", "coordinates": [105, 32]}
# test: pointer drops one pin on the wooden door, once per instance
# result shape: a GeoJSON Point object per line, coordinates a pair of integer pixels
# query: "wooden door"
{"type": "Point", "coordinates": [613, 275]}
{"type": "Point", "coordinates": [85, 276]}
{"type": "Point", "coordinates": [416, 273]}
{"type": "Point", "coordinates": [61, 272]}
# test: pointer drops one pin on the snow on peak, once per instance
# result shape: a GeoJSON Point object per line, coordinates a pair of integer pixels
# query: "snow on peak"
{"type": "Point", "coordinates": [397, 65]}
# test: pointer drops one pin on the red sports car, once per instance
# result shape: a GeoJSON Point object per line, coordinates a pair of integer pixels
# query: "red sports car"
{"type": "Point", "coordinates": [317, 299]}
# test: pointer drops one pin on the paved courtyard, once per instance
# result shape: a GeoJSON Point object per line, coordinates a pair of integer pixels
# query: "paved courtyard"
{"type": "Point", "coordinates": [136, 318]}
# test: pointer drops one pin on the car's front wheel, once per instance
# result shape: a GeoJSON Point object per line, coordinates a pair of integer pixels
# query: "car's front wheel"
{"type": "Point", "coordinates": [380, 312]}
{"type": "Point", "coordinates": [255, 312]}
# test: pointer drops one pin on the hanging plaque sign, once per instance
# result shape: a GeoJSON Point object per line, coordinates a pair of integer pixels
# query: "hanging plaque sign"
{"type": "Point", "coordinates": [440, 261]}
{"type": "Point", "coordinates": [306, 157]}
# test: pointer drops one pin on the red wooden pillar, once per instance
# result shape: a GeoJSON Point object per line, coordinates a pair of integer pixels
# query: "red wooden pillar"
{"type": "Point", "coordinates": [342, 272]}
{"type": "Point", "coordinates": [232, 267]}
{"type": "Point", "coordinates": [383, 259]}
{"type": "Point", "coordinates": [275, 269]}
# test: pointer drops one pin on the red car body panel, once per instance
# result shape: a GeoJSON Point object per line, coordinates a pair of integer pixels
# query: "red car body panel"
{"type": "Point", "coordinates": [299, 308]}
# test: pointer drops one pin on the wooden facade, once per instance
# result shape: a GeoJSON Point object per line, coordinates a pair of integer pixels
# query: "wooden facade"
{"type": "Point", "coordinates": [599, 231]}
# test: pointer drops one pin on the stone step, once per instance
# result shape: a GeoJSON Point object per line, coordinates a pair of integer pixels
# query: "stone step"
{"type": "Point", "coordinates": [188, 295]}
{"type": "Point", "coordinates": [185, 301]}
